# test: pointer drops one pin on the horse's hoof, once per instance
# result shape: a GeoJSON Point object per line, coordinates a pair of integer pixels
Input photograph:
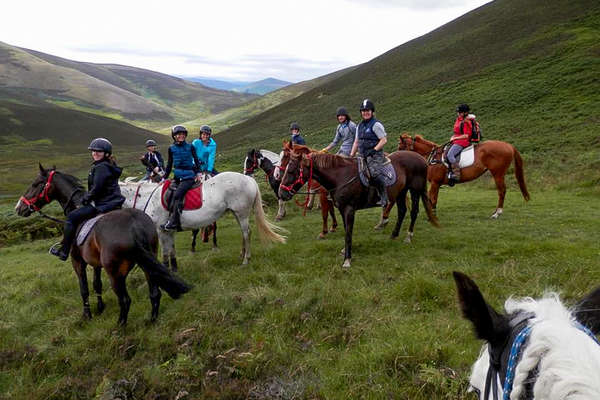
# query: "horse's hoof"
{"type": "Point", "coordinates": [343, 251]}
{"type": "Point", "coordinates": [496, 214]}
{"type": "Point", "coordinates": [215, 248]}
{"type": "Point", "coordinates": [321, 236]}
{"type": "Point", "coordinates": [408, 240]}
{"type": "Point", "coordinates": [381, 224]}
{"type": "Point", "coordinates": [332, 229]}
{"type": "Point", "coordinates": [346, 263]}
{"type": "Point", "coordinates": [278, 218]}
{"type": "Point", "coordinates": [87, 314]}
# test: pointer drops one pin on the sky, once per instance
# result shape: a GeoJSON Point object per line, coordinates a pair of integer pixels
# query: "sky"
{"type": "Point", "coordinates": [245, 40]}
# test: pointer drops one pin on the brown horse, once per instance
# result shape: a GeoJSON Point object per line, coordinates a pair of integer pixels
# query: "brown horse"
{"type": "Point", "coordinates": [255, 159]}
{"type": "Point", "coordinates": [492, 155]}
{"type": "Point", "coordinates": [339, 176]}
{"type": "Point", "coordinates": [118, 241]}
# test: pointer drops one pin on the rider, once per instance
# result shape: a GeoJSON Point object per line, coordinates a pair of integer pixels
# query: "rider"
{"type": "Point", "coordinates": [182, 157]}
{"type": "Point", "coordinates": [153, 160]}
{"type": "Point", "coordinates": [370, 139]}
{"type": "Point", "coordinates": [103, 194]}
{"type": "Point", "coordinates": [206, 150]}
{"type": "Point", "coordinates": [296, 138]}
{"type": "Point", "coordinates": [345, 132]}
{"type": "Point", "coordinates": [459, 141]}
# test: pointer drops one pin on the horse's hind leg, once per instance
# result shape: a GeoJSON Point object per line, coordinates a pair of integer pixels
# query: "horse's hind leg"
{"type": "Point", "coordinates": [194, 236]}
{"type": "Point", "coordinates": [401, 203]}
{"type": "Point", "coordinates": [414, 212]}
{"type": "Point", "coordinates": [155, 295]}
{"type": "Point", "coordinates": [501, 187]}
{"type": "Point", "coordinates": [118, 284]}
{"type": "Point", "coordinates": [244, 223]}
{"type": "Point", "coordinates": [167, 244]}
{"type": "Point", "coordinates": [80, 269]}
{"type": "Point", "coordinates": [214, 229]}
{"type": "Point", "coordinates": [98, 289]}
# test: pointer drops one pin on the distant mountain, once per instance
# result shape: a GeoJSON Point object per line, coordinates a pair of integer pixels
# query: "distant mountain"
{"type": "Point", "coordinates": [259, 87]}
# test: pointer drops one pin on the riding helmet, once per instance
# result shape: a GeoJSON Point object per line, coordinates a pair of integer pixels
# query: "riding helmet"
{"type": "Point", "coordinates": [342, 111]}
{"type": "Point", "coordinates": [178, 129]}
{"type": "Point", "coordinates": [205, 129]}
{"type": "Point", "coordinates": [463, 108]}
{"type": "Point", "coordinates": [367, 105]}
{"type": "Point", "coordinates": [294, 125]}
{"type": "Point", "coordinates": [151, 142]}
{"type": "Point", "coordinates": [101, 144]}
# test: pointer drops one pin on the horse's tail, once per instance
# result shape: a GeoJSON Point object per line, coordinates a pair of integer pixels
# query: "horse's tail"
{"type": "Point", "coordinates": [145, 257]}
{"type": "Point", "coordinates": [267, 231]}
{"type": "Point", "coordinates": [519, 174]}
{"type": "Point", "coordinates": [429, 209]}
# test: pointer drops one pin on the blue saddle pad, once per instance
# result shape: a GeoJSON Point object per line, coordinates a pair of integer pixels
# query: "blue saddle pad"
{"type": "Point", "coordinates": [387, 172]}
{"type": "Point", "coordinates": [86, 228]}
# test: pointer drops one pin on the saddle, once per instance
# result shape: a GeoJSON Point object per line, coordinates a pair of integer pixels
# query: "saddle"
{"type": "Point", "coordinates": [387, 172]}
{"type": "Point", "coordinates": [466, 157]}
{"type": "Point", "coordinates": [85, 228]}
{"type": "Point", "coordinates": [193, 197]}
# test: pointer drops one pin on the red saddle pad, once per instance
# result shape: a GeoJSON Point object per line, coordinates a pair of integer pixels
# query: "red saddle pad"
{"type": "Point", "coordinates": [193, 198]}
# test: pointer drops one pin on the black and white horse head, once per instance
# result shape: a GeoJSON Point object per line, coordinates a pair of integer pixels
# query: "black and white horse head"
{"type": "Point", "coordinates": [537, 349]}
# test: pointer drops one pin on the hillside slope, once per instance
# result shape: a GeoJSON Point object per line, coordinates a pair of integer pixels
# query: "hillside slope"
{"type": "Point", "coordinates": [530, 70]}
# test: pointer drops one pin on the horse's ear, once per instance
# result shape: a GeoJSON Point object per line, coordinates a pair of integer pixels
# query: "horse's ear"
{"type": "Point", "coordinates": [587, 311]}
{"type": "Point", "coordinates": [42, 170]}
{"type": "Point", "coordinates": [287, 146]}
{"type": "Point", "coordinates": [489, 325]}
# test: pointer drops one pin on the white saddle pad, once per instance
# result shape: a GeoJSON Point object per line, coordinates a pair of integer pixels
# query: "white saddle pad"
{"type": "Point", "coordinates": [467, 157]}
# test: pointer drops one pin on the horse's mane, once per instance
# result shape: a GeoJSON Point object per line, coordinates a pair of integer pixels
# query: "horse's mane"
{"type": "Point", "coordinates": [419, 138]}
{"type": "Point", "coordinates": [326, 161]}
{"type": "Point", "coordinates": [569, 361]}
{"type": "Point", "coordinates": [75, 182]}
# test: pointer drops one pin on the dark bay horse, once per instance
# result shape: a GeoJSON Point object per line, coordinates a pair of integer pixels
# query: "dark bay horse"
{"type": "Point", "coordinates": [118, 241]}
{"type": "Point", "coordinates": [339, 176]}
{"type": "Point", "coordinates": [492, 155]}
{"type": "Point", "coordinates": [255, 159]}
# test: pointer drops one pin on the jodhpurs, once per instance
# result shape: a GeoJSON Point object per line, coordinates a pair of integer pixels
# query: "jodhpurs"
{"type": "Point", "coordinates": [453, 153]}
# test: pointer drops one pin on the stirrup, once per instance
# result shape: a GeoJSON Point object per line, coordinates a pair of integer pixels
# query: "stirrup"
{"type": "Point", "coordinates": [58, 251]}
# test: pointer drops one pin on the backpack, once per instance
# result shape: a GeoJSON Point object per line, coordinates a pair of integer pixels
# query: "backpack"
{"type": "Point", "coordinates": [475, 136]}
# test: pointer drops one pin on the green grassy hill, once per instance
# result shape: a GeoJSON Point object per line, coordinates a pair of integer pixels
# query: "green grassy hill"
{"type": "Point", "coordinates": [144, 97]}
{"type": "Point", "coordinates": [530, 70]}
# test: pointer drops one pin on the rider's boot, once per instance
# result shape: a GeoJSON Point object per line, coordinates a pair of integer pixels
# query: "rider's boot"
{"type": "Point", "coordinates": [174, 222]}
{"type": "Point", "coordinates": [454, 174]}
{"type": "Point", "coordinates": [383, 197]}
{"type": "Point", "coordinates": [63, 252]}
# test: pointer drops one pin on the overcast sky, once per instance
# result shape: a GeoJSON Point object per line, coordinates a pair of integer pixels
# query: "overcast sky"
{"type": "Point", "coordinates": [244, 40]}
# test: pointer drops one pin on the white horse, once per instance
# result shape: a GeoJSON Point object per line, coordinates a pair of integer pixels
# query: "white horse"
{"type": "Point", "coordinates": [227, 191]}
{"type": "Point", "coordinates": [537, 350]}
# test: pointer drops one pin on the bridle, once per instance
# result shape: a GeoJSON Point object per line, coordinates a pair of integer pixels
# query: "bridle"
{"type": "Point", "coordinates": [32, 202]}
{"type": "Point", "coordinates": [300, 180]}
{"type": "Point", "coordinates": [404, 141]}
{"type": "Point", "coordinates": [254, 165]}
{"type": "Point", "coordinates": [520, 326]}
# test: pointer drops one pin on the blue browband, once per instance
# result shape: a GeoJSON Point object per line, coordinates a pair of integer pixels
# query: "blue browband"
{"type": "Point", "coordinates": [516, 349]}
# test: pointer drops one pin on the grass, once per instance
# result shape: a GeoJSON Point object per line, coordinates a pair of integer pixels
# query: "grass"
{"type": "Point", "coordinates": [293, 324]}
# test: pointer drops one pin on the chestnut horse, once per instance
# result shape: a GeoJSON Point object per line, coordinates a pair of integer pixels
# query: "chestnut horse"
{"type": "Point", "coordinates": [117, 242]}
{"type": "Point", "coordinates": [339, 176]}
{"type": "Point", "coordinates": [255, 159]}
{"type": "Point", "coordinates": [492, 155]}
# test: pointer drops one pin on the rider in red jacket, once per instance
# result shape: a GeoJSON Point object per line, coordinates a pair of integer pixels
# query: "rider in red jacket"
{"type": "Point", "coordinates": [460, 140]}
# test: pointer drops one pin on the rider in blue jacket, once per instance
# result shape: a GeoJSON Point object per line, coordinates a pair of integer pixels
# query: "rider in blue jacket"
{"type": "Point", "coordinates": [182, 157]}
{"type": "Point", "coordinates": [295, 131]}
{"type": "Point", "coordinates": [206, 150]}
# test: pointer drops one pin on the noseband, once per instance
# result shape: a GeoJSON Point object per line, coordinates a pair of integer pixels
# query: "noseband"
{"type": "Point", "coordinates": [31, 202]}
{"type": "Point", "coordinates": [300, 179]}
{"type": "Point", "coordinates": [254, 164]}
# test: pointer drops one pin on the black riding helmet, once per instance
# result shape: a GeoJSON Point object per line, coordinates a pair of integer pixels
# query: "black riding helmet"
{"type": "Point", "coordinates": [205, 129]}
{"type": "Point", "coordinates": [463, 108]}
{"type": "Point", "coordinates": [178, 129]}
{"type": "Point", "coordinates": [294, 125]}
{"type": "Point", "coordinates": [151, 142]}
{"type": "Point", "coordinates": [342, 111]}
{"type": "Point", "coordinates": [367, 105]}
{"type": "Point", "coordinates": [101, 144]}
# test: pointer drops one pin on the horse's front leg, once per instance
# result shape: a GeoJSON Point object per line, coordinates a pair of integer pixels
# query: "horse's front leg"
{"type": "Point", "coordinates": [194, 236]}
{"type": "Point", "coordinates": [414, 212]}
{"type": "Point", "coordinates": [324, 214]}
{"type": "Point", "coordinates": [280, 211]}
{"type": "Point", "coordinates": [244, 223]}
{"type": "Point", "coordinates": [348, 224]}
{"type": "Point", "coordinates": [401, 202]}
{"type": "Point", "coordinates": [214, 228]}
{"type": "Point", "coordinates": [98, 289]}
{"type": "Point", "coordinates": [434, 189]}
{"type": "Point", "coordinates": [80, 269]}
{"type": "Point", "coordinates": [501, 188]}
{"type": "Point", "coordinates": [167, 244]}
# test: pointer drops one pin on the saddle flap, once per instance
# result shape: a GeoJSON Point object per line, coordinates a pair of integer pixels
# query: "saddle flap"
{"type": "Point", "coordinates": [193, 197]}
{"type": "Point", "coordinates": [85, 228]}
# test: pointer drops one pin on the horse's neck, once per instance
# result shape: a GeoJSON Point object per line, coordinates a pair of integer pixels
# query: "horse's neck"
{"type": "Point", "coordinates": [68, 196]}
{"type": "Point", "coordinates": [424, 147]}
{"type": "Point", "coordinates": [333, 177]}
{"type": "Point", "coordinates": [267, 166]}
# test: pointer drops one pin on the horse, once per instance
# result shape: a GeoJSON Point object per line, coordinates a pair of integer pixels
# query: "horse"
{"type": "Point", "coordinates": [492, 155]}
{"type": "Point", "coordinates": [339, 176]}
{"type": "Point", "coordinates": [256, 159]}
{"type": "Point", "coordinates": [206, 232]}
{"type": "Point", "coordinates": [268, 162]}
{"type": "Point", "coordinates": [117, 242]}
{"type": "Point", "coordinates": [227, 191]}
{"type": "Point", "coordinates": [536, 350]}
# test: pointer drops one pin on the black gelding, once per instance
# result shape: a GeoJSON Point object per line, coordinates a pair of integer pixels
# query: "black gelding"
{"type": "Point", "coordinates": [339, 175]}
{"type": "Point", "coordinates": [118, 241]}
